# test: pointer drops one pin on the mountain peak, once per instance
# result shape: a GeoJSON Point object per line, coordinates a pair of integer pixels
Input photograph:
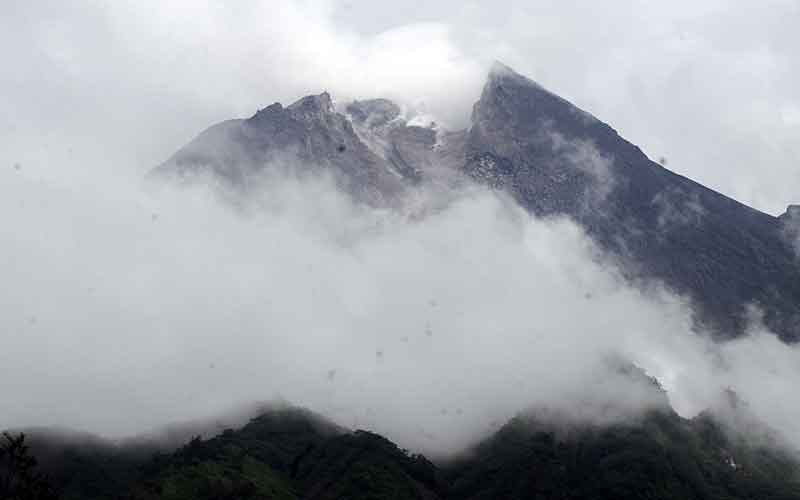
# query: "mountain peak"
{"type": "Point", "coordinates": [499, 69]}
{"type": "Point", "coordinates": [514, 105]}
{"type": "Point", "coordinates": [792, 212]}
{"type": "Point", "coordinates": [501, 74]}
{"type": "Point", "coordinates": [313, 105]}
{"type": "Point", "coordinates": [374, 112]}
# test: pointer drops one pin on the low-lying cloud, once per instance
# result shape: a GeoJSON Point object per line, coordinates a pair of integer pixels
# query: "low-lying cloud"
{"type": "Point", "coordinates": [124, 309]}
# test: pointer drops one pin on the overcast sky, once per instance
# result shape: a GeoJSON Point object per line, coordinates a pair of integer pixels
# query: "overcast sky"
{"type": "Point", "coordinates": [117, 86]}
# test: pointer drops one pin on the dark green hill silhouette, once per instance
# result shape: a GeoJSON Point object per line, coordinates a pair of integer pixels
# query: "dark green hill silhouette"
{"type": "Point", "coordinates": [291, 453]}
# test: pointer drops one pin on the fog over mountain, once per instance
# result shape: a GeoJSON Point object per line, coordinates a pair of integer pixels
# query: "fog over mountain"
{"type": "Point", "coordinates": [432, 319]}
{"type": "Point", "coordinates": [418, 242]}
{"type": "Point", "coordinates": [708, 85]}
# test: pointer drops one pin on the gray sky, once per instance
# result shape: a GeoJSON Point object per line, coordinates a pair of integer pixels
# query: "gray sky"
{"type": "Point", "coordinates": [709, 84]}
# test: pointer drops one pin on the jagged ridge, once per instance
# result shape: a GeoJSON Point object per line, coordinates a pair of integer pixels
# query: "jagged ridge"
{"type": "Point", "coordinates": [555, 159]}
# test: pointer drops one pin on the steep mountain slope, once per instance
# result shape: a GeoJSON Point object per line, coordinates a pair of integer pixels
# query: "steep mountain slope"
{"type": "Point", "coordinates": [555, 160]}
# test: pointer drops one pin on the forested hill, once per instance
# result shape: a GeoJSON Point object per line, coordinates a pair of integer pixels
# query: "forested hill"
{"type": "Point", "coordinates": [294, 454]}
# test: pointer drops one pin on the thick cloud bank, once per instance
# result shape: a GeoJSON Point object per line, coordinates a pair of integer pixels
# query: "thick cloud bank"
{"type": "Point", "coordinates": [124, 309]}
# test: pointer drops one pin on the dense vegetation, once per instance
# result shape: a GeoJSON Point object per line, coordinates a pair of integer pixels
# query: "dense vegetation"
{"type": "Point", "coordinates": [660, 456]}
{"type": "Point", "coordinates": [20, 478]}
{"type": "Point", "coordinates": [293, 454]}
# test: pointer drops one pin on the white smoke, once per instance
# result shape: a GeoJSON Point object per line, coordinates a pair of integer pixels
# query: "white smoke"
{"type": "Point", "coordinates": [122, 311]}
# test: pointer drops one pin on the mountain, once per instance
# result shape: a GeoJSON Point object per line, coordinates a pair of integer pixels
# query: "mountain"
{"type": "Point", "coordinates": [555, 159]}
{"type": "Point", "coordinates": [659, 456]}
{"type": "Point", "coordinates": [371, 152]}
{"type": "Point", "coordinates": [284, 453]}
{"type": "Point", "coordinates": [291, 454]}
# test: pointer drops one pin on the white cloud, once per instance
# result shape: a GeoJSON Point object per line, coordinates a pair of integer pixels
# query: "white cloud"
{"type": "Point", "coordinates": [122, 311]}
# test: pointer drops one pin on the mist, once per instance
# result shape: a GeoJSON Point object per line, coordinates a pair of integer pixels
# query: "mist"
{"type": "Point", "coordinates": [126, 308]}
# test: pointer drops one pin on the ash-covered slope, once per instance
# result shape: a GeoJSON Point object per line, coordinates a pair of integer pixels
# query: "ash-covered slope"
{"type": "Point", "coordinates": [370, 151]}
{"type": "Point", "coordinates": [555, 160]}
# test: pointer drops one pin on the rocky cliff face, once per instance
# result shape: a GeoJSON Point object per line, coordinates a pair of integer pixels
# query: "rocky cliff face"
{"type": "Point", "coordinates": [555, 159]}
